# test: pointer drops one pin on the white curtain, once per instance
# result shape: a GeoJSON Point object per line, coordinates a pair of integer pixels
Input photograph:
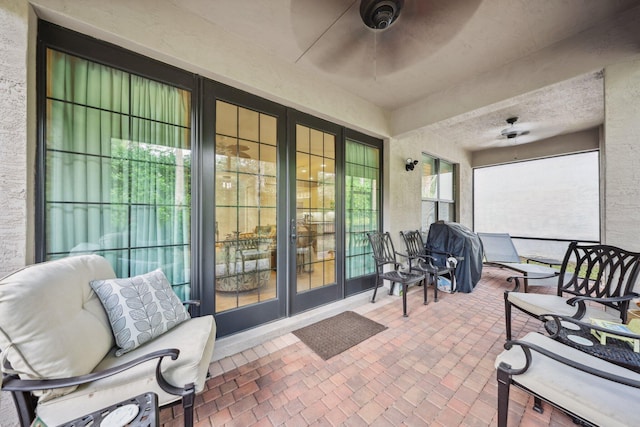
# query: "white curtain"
{"type": "Point", "coordinates": [118, 169]}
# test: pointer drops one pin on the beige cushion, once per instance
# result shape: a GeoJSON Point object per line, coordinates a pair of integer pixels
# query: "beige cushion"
{"type": "Point", "coordinates": [598, 400]}
{"type": "Point", "coordinates": [52, 325]}
{"type": "Point", "coordinates": [195, 339]}
{"type": "Point", "coordinates": [543, 303]}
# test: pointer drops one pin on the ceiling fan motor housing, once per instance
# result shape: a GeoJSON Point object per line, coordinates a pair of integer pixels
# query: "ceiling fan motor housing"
{"type": "Point", "coordinates": [380, 14]}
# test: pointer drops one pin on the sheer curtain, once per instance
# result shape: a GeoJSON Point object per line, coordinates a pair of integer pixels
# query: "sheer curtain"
{"type": "Point", "coordinates": [118, 169]}
{"type": "Point", "coordinates": [362, 172]}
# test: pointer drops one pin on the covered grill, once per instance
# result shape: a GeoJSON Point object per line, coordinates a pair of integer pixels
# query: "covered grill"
{"type": "Point", "coordinates": [462, 243]}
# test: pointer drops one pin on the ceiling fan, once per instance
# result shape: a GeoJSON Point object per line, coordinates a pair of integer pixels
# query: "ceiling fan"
{"type": "Point", "coordinates": [511, 131]}
{"type": "Point", "coordinates": [378, 37]}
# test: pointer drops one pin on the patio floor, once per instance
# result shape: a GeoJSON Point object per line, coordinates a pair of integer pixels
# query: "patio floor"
{"type": "Point", "coordinates": [433, 368]}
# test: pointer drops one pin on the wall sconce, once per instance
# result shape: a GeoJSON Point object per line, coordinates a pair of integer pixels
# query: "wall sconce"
{"type": "Point", "coordinates": [410, 164]}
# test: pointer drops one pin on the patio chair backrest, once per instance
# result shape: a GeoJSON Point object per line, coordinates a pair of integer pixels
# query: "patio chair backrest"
{"type": "Point", "coordinates": [498, 247]}
{"type": "Point", "coordinates": [414, 243]}
{"type": "Point", "coordinates": [382, 246]}
{"type": "Point", "coordinates": [601, 271]}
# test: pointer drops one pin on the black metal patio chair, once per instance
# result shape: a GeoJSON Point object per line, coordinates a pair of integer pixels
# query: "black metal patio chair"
{"type": "Point", "coordinates": [384, 254]}
{"type": "Point", "coordinates": [421, 260]}
{"type": "Point", "coordinates": [595, 281]}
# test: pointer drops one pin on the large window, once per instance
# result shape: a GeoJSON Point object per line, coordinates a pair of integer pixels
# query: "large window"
{"type": "Point", "coordinates": [555, 198]}
{"type": "Point", "coordinates": [117, 161]}
{"type": "Point", "coordinates": [438, 191]}
{"type": "Point", "coordinates": [362, 208]}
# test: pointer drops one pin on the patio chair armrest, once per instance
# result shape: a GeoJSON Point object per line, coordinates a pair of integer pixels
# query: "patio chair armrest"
{"type": "Point", "coordinates": [528, 348]}
{"type": "Point", "coordinates": [435, 251]}
{"type": "Point", "coordinates": [12, 382]}
{"type": "Point", "coordinates": [191, 304]}
{"type": "Point", "coordinates": [582, 308]}
{"type": "Point", "coordinates": [627, 297]}
{"type": "Point", "coordinates": [523, 277]}
{"type": "Point", "coordinates": [422, 257]}
{"type": "Point", "coordinates": [557, 318]}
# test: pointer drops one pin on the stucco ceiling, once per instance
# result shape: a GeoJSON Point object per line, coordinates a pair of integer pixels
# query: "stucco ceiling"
{"type": "Point", "coordinates": [439, 44]}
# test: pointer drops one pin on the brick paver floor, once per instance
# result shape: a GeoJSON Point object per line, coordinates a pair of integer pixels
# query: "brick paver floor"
{"type": "Point", "coordinates": [434, 368]}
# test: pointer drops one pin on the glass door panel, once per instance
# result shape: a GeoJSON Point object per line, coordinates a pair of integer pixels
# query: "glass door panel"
{"type": "Point", "coordinates": [313, 187]}
{"type": "Point", "coordinates": [241, 211]}
{"type": "Point", "coordinates": [245, 207]}
{"type": "Point", "coordinates": [315, 209]}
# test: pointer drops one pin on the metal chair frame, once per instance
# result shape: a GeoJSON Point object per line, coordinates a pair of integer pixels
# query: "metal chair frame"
{"type": "Point", "coordinates": [384, 254]}
{"type": "Point", "coordinates": [421, 260]}
{"type": "Point", "coordinates": [600, 274]}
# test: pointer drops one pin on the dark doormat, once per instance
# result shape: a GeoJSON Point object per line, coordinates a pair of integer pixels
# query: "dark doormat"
{"type": "Point", "coordinates": [336, 334]}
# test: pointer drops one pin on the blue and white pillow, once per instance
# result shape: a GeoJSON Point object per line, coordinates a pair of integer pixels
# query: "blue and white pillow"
{"type": "Point", "coordinates": [139, 308]}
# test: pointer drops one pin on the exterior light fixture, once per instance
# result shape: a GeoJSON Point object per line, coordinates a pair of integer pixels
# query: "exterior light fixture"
{"type": "Point", "coordinates": [410, 164]}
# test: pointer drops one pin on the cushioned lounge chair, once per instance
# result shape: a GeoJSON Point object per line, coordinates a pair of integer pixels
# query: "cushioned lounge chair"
{"type": "Point", "coordinates": [499, 250]}
{"type": "Point", "coordinates": [61, 359]}
{"type": "Point", "coordinates": [591, 390]}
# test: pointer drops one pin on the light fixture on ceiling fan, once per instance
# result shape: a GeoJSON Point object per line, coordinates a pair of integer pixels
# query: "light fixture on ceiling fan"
{"type": "Point", "coordinates": [512, 132]}
{"type": "Point", "coordinates": [380, 14]}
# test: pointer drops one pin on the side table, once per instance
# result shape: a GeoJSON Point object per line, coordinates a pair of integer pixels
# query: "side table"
{"type": "Point", "coordinates": [147, 413]}
{"type": "Point", "coordinates": [580, 337]}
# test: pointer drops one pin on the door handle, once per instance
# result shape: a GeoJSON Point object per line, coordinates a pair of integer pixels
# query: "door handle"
{"type": "Point", "coordinates": [293, 234]}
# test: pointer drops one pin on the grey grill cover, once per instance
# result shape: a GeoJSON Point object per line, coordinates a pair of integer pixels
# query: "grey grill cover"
{"type": "Point", "coordinates": [459, 241]}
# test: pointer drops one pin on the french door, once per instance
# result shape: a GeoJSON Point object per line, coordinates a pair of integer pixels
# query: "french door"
{"type": "Point", "coordinates": [242, 158]}
{"type": "Point", "coordinates": [314, 182]}
{"type": "Point", "coordinates": [270, 228]}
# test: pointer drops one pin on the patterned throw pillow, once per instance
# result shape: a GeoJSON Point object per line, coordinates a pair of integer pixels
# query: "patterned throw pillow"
{"type": "Point", "coordinates": [140, 308]}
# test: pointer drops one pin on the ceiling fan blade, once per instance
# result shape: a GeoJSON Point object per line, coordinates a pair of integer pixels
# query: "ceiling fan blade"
{"type": "Point", "coordinates": [345, 47]}
{"type": "Point", "coordinates": [349, 47]}
{"type": "Point", "coordinates": [424, 26]}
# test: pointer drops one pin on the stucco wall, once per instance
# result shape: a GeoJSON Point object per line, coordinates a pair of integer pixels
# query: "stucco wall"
{"type": "Point", "coordinates": [403, 193]}
{"type": "Point", "coordinates": [13, 134]}
{"type": "Point", "coordinates": [621, 155]}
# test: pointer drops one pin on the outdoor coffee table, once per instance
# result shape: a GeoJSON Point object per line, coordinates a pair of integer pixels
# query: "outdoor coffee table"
{"type": "Point", "coordinates": [146, 415]}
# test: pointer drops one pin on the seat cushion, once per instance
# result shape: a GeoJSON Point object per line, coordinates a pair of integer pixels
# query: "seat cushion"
{"type": "Point", "coordinates": [139, 308]}
{"type": "Point", "coordinates": [195, 340]}
{"type": "Point", "coordinates": [543, 303]}
{"type": "Point", "coordinates": [52, 325]}
{"type": "Point", "coordinates": [595, 399]}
